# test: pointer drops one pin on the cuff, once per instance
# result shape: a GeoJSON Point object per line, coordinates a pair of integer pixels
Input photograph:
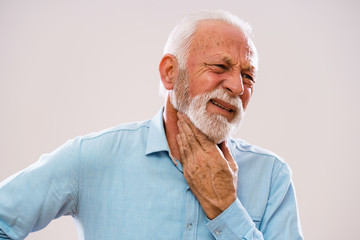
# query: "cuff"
{"type": "Point", "coordinates": [233, 223]}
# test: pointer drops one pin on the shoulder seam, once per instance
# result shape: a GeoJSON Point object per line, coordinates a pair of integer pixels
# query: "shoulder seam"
{"type": "Point", "coordinates": [257, 153]}
{"type": "Point", "coordinates": [117, 130]}
{"type": "Point", "coordinates": [270, 154]}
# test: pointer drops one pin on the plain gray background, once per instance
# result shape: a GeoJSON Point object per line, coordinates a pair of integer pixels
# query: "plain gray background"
{"type": "Point", "coordinates": [68, 68]}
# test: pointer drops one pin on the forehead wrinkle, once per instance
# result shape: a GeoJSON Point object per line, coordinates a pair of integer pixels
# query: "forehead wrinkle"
{"type": "Point", "coordinates": [202, 36]}
{"type": "Point", "coordinates": [207, 39]}
{"type": "Point", "coordinates": [243, 65]}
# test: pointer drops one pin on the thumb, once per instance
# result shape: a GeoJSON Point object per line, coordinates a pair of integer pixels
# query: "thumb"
{"type": "Point", "coordinates": [226, 151]}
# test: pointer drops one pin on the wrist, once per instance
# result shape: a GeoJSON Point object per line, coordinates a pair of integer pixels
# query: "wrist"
{"type": "Point", "coordinates": [212, 210]}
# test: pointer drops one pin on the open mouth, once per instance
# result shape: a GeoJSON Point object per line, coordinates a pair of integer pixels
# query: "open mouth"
{"type": "Point", "coordinates": [221, 106]}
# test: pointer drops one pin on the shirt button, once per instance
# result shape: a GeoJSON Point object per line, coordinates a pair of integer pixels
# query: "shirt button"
{"type": "Point", "coordinates": [189, 227]}
{"type": "Point", "coordinates": [217, 232]}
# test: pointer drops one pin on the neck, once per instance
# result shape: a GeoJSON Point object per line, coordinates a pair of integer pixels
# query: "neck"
{"type": "Point", "coordinates": [171, 128]}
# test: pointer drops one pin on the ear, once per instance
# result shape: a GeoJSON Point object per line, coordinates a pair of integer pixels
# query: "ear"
{"type": "Point", "coordinates": [168, 69]}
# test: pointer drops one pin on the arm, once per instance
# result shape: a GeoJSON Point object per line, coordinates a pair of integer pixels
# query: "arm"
{"type": "Point", "coordinates": [46, 190]}
{"type": "Point", "coordinates": [211, 174]}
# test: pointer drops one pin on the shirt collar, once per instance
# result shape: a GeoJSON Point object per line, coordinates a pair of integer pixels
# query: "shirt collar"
{"type": "Point", "coordinates": [156, 141]}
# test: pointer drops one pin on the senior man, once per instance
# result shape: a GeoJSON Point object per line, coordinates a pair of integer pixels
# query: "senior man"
{"type": "Point", "coordinates": [177, 176]}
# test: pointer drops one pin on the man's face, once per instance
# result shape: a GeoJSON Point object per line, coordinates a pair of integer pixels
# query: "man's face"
{"type": "Point", "coordinates": [219, 79]}
{"type": "Point", "coordinates": [213, 125]}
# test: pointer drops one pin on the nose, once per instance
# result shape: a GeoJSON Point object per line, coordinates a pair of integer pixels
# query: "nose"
{"type": "Point", "coordinates": [234, 84]}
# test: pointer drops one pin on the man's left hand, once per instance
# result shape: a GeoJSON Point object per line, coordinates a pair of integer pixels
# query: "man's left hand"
{"type": "Point", "coordinates": [209, 169]}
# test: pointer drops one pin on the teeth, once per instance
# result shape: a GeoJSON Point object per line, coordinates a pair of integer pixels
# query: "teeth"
{"type": "Point", "coordinates": [217, 104]}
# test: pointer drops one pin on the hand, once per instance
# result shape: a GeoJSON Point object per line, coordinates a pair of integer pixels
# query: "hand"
{"type": "Point", "coordinates": [210, 171]}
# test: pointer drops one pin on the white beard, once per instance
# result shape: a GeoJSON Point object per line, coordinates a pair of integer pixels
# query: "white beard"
{"type": "Point", "coordinates": [215, 126]}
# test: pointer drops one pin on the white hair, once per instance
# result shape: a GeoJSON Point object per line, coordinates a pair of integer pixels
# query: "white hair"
{"type": "Point", "coordinates": [179, 40]}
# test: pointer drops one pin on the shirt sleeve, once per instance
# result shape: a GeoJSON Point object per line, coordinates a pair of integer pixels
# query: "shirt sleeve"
{"type": "Point", "coordinates": [280, 220]}
{"type": "Point", "coordinates": [3, 235]}
{"type": "Point", "coordinates": [45, 190]}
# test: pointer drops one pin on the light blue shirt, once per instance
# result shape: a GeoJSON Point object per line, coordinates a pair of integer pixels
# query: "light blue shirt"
{"type": "Point", "coordinates": [120, 183]}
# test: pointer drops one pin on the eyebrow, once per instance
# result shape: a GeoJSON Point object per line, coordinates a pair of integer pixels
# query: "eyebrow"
{"type": "Point", "coordinates": [248, 67]}
{"type": "Point", "coordinates": [227, 60]}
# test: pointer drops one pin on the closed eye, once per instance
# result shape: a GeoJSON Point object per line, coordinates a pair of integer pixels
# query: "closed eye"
{"type": "Point", "coordinates": [222, 66]}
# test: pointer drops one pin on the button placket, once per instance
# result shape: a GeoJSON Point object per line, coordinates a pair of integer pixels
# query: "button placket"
{"type": "Point", "coordinates": [189, 226]}
{"type": "Point", "coordinates": [191, 216]}
{"type": "Point", "coordinates": [217, 232]}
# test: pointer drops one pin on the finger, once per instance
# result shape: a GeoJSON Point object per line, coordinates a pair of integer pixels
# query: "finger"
{"type": "Point", "coordinates": [181, 147]}
{"type": "Point", "coordinates": [227, 154]}
{"type": "Point", "coordinates": [187, 131]}
{"type": "Point", "coordinates": [184, 147]}
{"type": "Point", "coordinates": [201, 138]}
{"type": "Point", "coordinates": [198, 134]}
